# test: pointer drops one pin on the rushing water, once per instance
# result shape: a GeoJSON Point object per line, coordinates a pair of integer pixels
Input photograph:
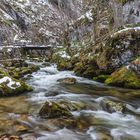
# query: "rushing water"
{"type": "Point", "coordinates": [19, 115]}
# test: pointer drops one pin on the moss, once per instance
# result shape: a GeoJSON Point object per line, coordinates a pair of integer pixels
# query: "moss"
{"type": "Point", "coordinates": [64, 65]}
{"type": "Point", "coordinates": [124, 77]}
{"type": "Point", "coordinates": [87, 67]}
{"type": "Point", "coordinates": [5, 90]}
{"type": "Point", "coordinates": [22, 71]}
{"type": "Point", "coordinates": [3, 73]}
{"type": "Point", "coordinates": [54, 110]}
{"type": "Point", "coordinates": [101, 78]}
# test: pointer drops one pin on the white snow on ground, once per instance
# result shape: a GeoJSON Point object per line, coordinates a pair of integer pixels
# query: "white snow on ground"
{"type": "Point", "coordinates": [10, 82]}
{"type": "Point", "coordinates": [63, 54]}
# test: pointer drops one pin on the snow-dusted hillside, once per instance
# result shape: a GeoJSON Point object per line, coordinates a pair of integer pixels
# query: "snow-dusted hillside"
{"type": "Point", "coordinates": [44, 21]}
{"type": "Point", "coordinates": [37, 21]}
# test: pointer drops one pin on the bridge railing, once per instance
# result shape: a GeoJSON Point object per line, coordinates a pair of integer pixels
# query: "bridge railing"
{"type": "Point", "coordinates": [24, 46]}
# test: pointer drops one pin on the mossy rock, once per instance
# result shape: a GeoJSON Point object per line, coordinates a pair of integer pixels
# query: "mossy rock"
{"type": "Point", "coordinates": [73, 105]}
{"type": "Point", "coordinates": [60, 109]}
{"type": "Point", "coordinates": [22, 71]}
{"type": "Point", "coordinates": [124, 77]}
{"type": "Point", "coordinates": [63, 62]}
{"type": "Point", "coordinates": [10, 86]}
{"type": "Point", "coordinates": [101, 78]}
{"type": "Point", "coordinates": [54, 110]}
{"type": "Point", "coordinates": [87, 67]}
{"type": "Point", "coordinates": [64, 65]}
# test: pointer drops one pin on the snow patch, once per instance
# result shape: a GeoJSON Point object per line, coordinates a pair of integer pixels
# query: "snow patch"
{"type": "Point", "coordinates": [87, 15]}
{"type": "Point", "coordinates": [63, 54]}
{"type": "Point", "coordinates": [10, 83]}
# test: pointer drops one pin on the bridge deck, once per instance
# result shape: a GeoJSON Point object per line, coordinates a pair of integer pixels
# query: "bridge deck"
{"type": "Point", "coordinates": [27, 47]}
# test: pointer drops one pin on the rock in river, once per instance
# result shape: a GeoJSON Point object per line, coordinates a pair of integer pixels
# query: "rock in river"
{"type": "Point", "coordinates": [67, 81]}
{"type": "Point", "coordinates": [60, 109]}
{"type": "Point", "coordinates": [54, 110]}
{"type": "Point", "coordinates": [113, 106]}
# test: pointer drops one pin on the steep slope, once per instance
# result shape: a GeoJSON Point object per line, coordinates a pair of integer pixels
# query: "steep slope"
{"type": "Point", "coordinates": [38, 21]}
{"type": "Point", "coordinates": [104, 39]}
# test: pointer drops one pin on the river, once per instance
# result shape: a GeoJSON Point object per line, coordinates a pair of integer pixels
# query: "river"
{"type": "Point", "coordinates": [19, 115]}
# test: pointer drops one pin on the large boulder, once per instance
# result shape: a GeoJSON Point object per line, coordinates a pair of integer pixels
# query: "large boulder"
{"type": "Point", "coordinates": [60, 109]}
{"type": "Point", "coordinates": [124, 77]}
{"type": "Point", "coordinates": [62, 59]}
{"type": "Point", "coordinates": [10, 86]}
{"type": "Point", "coordinates": [54, 110]}
{"type": "Point", "coordinates": [113, 106]}
{"type": "Point", "coordinates": [87, 67]}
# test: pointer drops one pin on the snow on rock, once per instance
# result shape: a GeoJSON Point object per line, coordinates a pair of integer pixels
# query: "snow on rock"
{"type": "Point", "coordinates": [10, 83]}
{"type": "Point", "coordinates": [63, 54]}
{"type": "Point", "coordinates": [87, 15]}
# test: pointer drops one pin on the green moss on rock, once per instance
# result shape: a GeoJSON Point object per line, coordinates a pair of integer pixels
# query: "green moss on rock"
{"type": "Point", "coordinates": [10, 86]}
{"type": "Point", "coordinates": [124, 77]}
{"type": "Point", "coordinates": [22, 71]}
{"type": "Point", "coordinates": [101, 78]}
{"type": "Point", "coordinates": [54, 110]}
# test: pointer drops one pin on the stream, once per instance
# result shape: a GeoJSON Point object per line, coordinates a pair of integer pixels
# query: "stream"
{"type": "Point", "coordinates": [19, 115]}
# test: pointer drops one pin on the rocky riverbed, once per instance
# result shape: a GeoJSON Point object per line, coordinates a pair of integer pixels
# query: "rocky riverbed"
{"type": "Point", "coordinates": [79, 110]}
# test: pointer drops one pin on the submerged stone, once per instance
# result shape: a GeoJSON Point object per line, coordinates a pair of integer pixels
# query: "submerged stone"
{"type": "Point", "coordinates": [67, 81]}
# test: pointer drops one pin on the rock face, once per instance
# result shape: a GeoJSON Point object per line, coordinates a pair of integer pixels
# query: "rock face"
{"type": "Point", "coordinates": [36, 21]}
{"type": "Point", "coordinates": [105, 39]}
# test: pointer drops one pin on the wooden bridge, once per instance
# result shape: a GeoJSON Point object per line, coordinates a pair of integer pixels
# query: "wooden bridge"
{"type": "Point", "coordinates": [15, 50]}
{"type": "Point", "coordinates": [24, 46]}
